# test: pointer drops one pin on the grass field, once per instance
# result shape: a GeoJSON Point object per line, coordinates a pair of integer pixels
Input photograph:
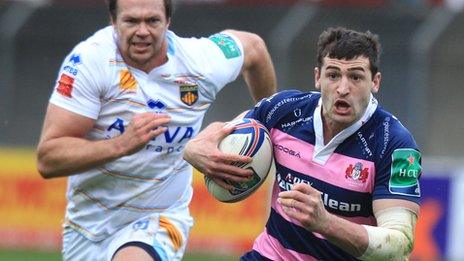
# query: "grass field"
{"type": "Point", "coordinates": [18, 255]}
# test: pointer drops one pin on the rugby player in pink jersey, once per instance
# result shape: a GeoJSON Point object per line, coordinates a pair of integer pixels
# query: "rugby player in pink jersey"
{"type": "Point", "coordinates": [347, 171]}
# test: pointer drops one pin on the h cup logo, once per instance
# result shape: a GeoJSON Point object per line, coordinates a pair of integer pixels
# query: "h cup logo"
{"type": "Point", "coordinates": [405, 172]}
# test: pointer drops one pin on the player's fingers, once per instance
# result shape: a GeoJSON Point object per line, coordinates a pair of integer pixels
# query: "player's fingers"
{"type": "Point", "coordinates": [234, 158]}
{"type": "Point", "coordinates": [286, 201]}
{"type": "Point", "coordinates": [228, 176]}
{"type": "Point", "coordinates": [157, 131]}
{"type": "Point", "coordinates": [155, 127]}
{"type": "Point", "coordinates": [235, 170]}
{"type": "Point", "coordinates": [305, 189]}
{"type": "Point", "coordinates": [223, 184]}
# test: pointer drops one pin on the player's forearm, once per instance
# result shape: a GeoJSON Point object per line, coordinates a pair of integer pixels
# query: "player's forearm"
{"type": "Point", "coordinates": [349, 236]}
{"type": "Point", "coordinates": [66, 156]}
{"type": "Point", "coordinates": [260, 75]}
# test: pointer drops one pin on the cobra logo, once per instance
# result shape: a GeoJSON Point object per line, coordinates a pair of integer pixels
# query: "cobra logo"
{"type": "Point", "coordinates": [286, 150]}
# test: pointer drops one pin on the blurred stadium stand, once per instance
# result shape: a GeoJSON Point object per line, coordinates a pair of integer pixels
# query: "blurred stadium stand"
{"type": "Point", "coordinates": [422, 62]}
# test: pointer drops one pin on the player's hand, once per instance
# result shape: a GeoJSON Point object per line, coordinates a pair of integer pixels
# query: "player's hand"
{"type": "Point", "coordinates": [203, 153]}
{"type": "Point", "coordinates": [304, 204]}
{"type": "Point", "coordinates": [143, 128]}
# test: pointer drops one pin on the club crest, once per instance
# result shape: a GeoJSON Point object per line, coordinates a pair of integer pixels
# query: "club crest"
{"type": "Point", "coordinates": [188, 93]}
{"type": "Point", "coordinates": [357, 172]}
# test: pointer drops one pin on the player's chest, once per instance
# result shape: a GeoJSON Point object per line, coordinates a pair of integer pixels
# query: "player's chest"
{"type": "Point", "coordinates": [298, 163]}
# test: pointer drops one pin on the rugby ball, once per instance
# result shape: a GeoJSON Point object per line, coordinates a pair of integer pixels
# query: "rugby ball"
{"type": "Point", "coordinates": [249, 138]}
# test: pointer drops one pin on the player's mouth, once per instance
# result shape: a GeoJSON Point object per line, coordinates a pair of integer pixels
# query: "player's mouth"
{"type": "Point", "coordinates": [342, 107]}
{"type": "Point", "coordinates": [140, 47]}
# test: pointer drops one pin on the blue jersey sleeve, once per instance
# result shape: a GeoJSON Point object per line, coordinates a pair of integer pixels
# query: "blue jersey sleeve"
{"type": "Point", "coordinates": [399, 164]}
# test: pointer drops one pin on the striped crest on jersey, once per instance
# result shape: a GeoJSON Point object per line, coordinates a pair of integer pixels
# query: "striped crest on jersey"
{"type": "Point", "coordinates": [127, 81]}
{"type": "Point", "coordinates": [189, 93]}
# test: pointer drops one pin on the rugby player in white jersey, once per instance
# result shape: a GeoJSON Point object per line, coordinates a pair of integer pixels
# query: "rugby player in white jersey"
{"type": "Point", "coordinates": [347, 171]}
{"type": "Point", "coordinates": [126, 102]}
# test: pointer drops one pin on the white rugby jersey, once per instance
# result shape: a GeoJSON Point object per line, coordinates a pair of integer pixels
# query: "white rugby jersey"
{"type": "Point", "coordinates": [95, 82]}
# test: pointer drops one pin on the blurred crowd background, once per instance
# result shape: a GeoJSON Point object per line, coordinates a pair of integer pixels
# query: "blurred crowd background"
{"type": "Point", "coordinates": [423, 85]}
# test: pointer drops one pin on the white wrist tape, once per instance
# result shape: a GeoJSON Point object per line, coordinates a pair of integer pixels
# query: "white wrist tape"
{"type": "Point", "coordinates": [393, 237]}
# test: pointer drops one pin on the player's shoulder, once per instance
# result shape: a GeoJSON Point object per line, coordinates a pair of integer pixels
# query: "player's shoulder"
{"type": "Point", "coordinates": [99, 46]}
{"type": "Point", "coordinates": [389, 122]}
{"type": "Point", "coordinates": [273, 108]}
{"type": "Point", "coordinates": [390, 132]}
{"type": "Point", "coordinates": [291, 96]}
{"type": "Point", "coordinates": [196, 47]}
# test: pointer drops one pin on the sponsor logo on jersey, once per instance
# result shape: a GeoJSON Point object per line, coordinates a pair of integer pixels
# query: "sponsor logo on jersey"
{"type": "Point", "coordinates": [72, 63]}
{"type": "Point", "coordinates": [65, 85]}
{"type": "Point", "coordinates": [156, 105]}
{"type": "Point", "coordinates": [366, 149]}
{"type": "Point", "coordinates": [75, 59]}
{"type": "Point", "coordinates": [328, 201]}
{"type": "Point", "coordinates": [357, 172]}
{"type": "Point", "coordinates": [283, 102]}
{"type": "Point", "coordinates": [405, 172]}
{"type": "Point", "coordinates": [339, 205]}
{"type": "Point", "coordinates": [227, 45]}
{"type": "Point", "coordinates": [189, 93]}
{"type": "Point", "coordinates": [299, 121]}
{"type": "Point", "coordinates": [141, 224]}
{"type": "Point", "coordinates": [287, 182]}
{"type": "Point", "coordinates": [288, 151]}
{"type": "Point", "coordinates": [127, 82]}
{"type": "Point", "coordinates": [172, 140]}
{"type": "Point", "coordinates": [386, 135]}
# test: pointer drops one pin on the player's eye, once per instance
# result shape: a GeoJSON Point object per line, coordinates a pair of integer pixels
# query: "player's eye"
{"type": "Point", "coordinates": [332, 75]}
{"type": "Point", "coordinates": [356, 77]}
{"type": "Point", "coordinates": [130, 21]}
{"type": "Point", "coordinates": [152, 20]}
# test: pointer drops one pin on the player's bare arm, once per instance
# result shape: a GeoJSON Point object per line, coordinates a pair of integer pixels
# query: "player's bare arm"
{"type": "Point", "coordinates": [63, 149]}
{"type": "Point", "coordinates": [258, 70]}
{"type": "Point", "coordinates": [388, 241]}
{"type": "Point", "coordinates": [203, 153]}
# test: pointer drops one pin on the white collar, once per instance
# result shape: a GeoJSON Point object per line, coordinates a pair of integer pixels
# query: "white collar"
{"type": "Point", "coordinates": [321, 152]}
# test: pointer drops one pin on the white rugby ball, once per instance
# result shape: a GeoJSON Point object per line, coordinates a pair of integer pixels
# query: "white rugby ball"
{"type": "Point", "coordinates": [249, 138]}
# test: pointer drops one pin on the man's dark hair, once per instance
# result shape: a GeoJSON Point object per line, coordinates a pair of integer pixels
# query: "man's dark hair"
{"type": "Point", "coordinates": [113, 6]}
{"type": "Point", "coordinates": [342, 43]}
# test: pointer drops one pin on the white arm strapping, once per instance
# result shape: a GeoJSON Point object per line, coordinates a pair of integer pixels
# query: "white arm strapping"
{"type": "Point", "coordinates": [393, 237]}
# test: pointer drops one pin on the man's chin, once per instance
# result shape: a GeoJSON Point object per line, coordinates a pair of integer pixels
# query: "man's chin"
{"type": "Point", "coordinates": [140, 59]}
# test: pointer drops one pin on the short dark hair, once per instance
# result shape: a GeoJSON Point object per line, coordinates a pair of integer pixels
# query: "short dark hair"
{"type": "Point", "coordinates": [113, 6]}
{"type": "Point", "coordinates": [342, 43]}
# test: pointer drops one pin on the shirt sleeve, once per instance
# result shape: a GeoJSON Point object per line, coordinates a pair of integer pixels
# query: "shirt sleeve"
{"type": "Point", "coordinates": [77, 88]}
{"type": "Point", "coordinates": [270, 110]}
{"type": "Point", "coordinates": [399, 166]}
{"type": "Point", "coordinates": [218, 58]}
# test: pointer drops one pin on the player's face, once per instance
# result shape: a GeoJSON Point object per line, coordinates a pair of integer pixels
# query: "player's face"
{"type": "Point", "coordinates": [141, 26]}
{"type": "Point", "coordinates": [345, 86]}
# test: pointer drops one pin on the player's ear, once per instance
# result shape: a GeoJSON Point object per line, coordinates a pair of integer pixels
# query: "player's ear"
{"type": "Point", "coordinates": [376, 82]}
{"type": "Point", "coordinates": [317, 78]}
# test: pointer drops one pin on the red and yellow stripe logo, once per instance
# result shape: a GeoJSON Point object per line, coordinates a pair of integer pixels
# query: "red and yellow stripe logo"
{"type": "Point", "coordinates": [173, 233]}
{"type": "Point", "coordinates": [127, 81]}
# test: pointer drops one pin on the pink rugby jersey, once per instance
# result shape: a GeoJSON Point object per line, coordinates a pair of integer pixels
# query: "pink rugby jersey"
{"type": "Point", "coordinates": [375, 158]}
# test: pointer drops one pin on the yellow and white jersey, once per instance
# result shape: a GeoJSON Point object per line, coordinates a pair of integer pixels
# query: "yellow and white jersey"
{"type": "Point", "coordinates": [95, 82]}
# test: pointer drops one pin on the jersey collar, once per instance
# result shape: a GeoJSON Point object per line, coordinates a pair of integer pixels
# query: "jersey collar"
{"type": "Point", "coordinates": [322, 152]}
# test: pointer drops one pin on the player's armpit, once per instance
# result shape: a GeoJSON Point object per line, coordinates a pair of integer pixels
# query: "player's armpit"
{"type": "Point", "coordinates": [393, 238]}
